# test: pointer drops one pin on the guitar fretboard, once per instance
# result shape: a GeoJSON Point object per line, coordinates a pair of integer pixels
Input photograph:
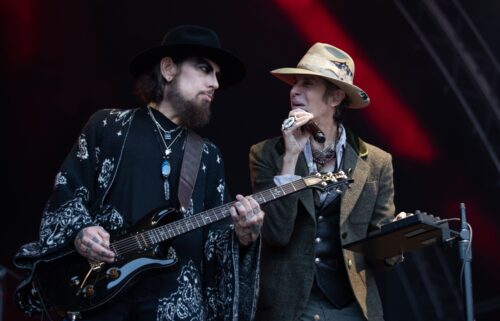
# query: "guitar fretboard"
{"type": "Point", "coordinates": [163, 233]}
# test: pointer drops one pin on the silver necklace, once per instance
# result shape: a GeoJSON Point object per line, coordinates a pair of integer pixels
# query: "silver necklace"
{"type": "Point", "coordinates": [166, 168]}
{"type": "Point", "coordinates": [323, 156]}
{"type": "Point", "coordinates": [168, 149]}
{"type": "Point", "coordinates": [167, 134]}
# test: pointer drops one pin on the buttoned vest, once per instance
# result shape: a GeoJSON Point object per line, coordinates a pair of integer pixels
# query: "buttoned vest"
{"type": "Point", "coordinates": [331, 275]}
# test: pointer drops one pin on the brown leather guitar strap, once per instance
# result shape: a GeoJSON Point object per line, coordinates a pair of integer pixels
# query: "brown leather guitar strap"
{"type": "Point", "coordinates": [189, 169]}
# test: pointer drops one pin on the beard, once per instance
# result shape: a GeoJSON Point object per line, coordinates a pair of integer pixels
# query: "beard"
{"type": "Point", "coordinates": [191, 113]}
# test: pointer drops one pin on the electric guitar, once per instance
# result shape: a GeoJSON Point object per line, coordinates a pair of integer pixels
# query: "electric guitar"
{"type": "Point", "coordinates": [72, 284]}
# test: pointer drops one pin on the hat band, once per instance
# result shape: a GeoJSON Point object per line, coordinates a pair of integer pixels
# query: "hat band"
{"type": "Point", "coordinates": [329, 68]}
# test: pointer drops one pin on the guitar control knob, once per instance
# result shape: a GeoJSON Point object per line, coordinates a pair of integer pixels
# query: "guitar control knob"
{"type": "Point", "coordinates": [74, 281]}
{"type": "Point", "coordinates": [88, 291]}
{"type": "Point", "coordinates": [113, 273]}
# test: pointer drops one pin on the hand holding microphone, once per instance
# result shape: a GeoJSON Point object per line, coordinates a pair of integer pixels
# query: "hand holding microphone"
{"type": "Point", "coordinates": [310, 126]}
{"type": "Point", "coordinates": [295, 139]}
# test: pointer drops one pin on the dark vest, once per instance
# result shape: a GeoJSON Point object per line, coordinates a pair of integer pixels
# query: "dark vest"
{"type": "Point", "coordinates": [331, 274]}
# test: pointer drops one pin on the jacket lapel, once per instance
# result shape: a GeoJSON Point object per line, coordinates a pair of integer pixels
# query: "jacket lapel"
{"type": "Point", "coordinates": [359, 172]}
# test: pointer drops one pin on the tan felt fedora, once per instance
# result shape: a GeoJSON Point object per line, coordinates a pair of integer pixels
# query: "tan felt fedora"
{"type": "Point", "coordinates": [330, 63]}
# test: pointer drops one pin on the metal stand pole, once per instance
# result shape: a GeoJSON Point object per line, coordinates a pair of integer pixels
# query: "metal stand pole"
{"type": "Point", "coordinates": [465, 250]}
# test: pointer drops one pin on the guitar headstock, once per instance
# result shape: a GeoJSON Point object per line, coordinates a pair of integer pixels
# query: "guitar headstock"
{"type": "Point", "coordinates": [327, 181]}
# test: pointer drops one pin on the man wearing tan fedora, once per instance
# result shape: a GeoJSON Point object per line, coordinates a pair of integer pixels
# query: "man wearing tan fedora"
{"type": "Point", "coordinates": [109, 209]}
{"type": "Point", "coordinates": [305, 273]}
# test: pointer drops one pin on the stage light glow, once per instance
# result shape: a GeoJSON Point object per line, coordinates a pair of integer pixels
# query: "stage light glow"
{"type": "Point", "coordinates": [391, 117]}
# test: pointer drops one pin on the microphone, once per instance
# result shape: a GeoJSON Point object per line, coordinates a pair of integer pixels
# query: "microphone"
{"type": "Point", "coordinates": [315, 131]}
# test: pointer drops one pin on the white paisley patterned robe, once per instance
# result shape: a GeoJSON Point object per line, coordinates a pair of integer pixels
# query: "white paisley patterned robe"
{"type": "Point", "coordinates": [230, 282]}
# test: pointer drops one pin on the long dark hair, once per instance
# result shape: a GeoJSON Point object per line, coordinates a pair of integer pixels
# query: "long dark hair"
{"type": "Point", "coordinates": [150, 85]}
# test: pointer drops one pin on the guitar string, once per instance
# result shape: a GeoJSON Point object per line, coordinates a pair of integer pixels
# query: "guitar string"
{"type": "Point", "coordinates": [130, 243]}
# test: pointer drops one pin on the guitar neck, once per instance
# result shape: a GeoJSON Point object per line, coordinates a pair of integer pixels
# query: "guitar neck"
{"type": "Point", "coordinates": [187, 224]}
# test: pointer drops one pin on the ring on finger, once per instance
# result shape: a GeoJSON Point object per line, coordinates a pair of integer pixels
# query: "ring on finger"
{"type": "Point", "coordinates": [288, 123]}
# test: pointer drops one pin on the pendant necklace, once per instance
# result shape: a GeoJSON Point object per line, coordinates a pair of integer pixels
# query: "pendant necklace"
{"type": "Point", "coordinates": [321, 157]}
{"type": "Point", "coordinates": [166, 168]}
{"type": "Point", "coordinates": [167, 134]}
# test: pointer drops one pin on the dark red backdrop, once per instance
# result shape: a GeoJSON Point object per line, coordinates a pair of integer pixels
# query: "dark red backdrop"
{"type": "Point", "coordinates": [62, 60]}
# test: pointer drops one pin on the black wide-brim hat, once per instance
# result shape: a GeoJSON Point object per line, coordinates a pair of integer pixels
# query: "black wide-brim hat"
{"type": "Point", "coordinates": [192, 41]}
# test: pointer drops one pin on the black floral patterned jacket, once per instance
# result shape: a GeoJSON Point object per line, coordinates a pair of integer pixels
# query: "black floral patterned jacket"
{"type": "Point", "coordinates": [78, 200]}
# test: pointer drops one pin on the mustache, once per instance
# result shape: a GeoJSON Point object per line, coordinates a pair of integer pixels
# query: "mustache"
{"type": "Point", "coordinates": [210, 93]}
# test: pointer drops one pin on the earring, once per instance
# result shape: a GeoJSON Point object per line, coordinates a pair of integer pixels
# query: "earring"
{"type": "Point", "coordinates": [169, 78]}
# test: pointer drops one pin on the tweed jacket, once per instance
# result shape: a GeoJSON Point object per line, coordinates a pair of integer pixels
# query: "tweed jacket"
{"type": "Point", "coordinates": [287, 261]}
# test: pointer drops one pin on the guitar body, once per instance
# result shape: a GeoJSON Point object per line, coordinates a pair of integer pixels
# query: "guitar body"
{"type": "Point", "coordinates": [73, 284]}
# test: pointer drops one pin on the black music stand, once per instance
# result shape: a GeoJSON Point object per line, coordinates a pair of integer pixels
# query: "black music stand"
{"type": "Point", "coordinates": [417, 231]}
{"type": "Point", "coordinates": [402, 236]}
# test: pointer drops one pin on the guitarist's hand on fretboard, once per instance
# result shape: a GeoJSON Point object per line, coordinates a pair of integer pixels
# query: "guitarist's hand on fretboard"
{"type": "Point", "coordinates": [247, 218]}
{"type": "Point", "coordinates": [93, 243]}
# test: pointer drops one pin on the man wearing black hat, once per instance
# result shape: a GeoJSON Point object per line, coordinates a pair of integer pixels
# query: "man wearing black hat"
{"type": "Point", "coordinates": [127, 164]}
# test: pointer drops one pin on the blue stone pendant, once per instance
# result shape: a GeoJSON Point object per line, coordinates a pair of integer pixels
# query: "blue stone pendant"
{"type": "Point", "coordinates": [165, 168]}
{"type": "Point", "coordinates": [166, 189]}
